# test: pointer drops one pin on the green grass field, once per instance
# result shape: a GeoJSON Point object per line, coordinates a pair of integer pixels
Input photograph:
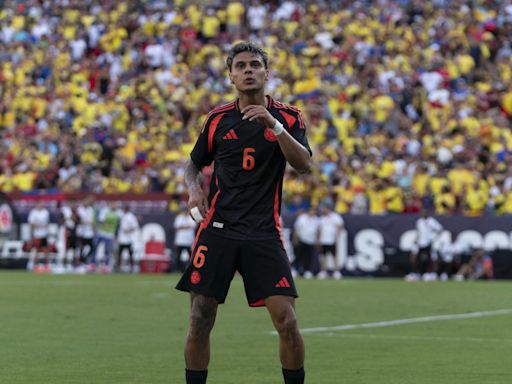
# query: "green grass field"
{"type": "Point", "coordinates": [130, 329]}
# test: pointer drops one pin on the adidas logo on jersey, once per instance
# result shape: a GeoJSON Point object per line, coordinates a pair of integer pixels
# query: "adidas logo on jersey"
{"type": "Point", "coordinates": [231, 135]}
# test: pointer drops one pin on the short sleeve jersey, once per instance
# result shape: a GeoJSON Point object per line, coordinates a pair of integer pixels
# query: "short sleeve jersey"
{"type": "Point", "coordinates": [246, 184]}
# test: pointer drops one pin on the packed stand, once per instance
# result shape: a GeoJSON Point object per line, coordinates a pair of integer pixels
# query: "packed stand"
{"type": "Point", "coordinates": [408, 103]}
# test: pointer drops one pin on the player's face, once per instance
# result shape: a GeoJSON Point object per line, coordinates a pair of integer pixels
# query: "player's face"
{"type": "Point", "coordinates": [248, 72]}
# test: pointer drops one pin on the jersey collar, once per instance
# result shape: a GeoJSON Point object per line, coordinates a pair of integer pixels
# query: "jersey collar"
{"type": "Point", "coordinates": [270, 102]}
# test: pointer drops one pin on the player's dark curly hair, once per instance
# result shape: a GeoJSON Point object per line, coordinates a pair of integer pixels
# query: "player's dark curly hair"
{"type": "Point", "coordinates": [246, 46]}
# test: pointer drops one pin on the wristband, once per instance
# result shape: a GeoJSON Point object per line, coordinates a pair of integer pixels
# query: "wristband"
{"type": "Point", "coordinates": [196, 215]}
{"type": "Point", "coordinates": [278, 128]}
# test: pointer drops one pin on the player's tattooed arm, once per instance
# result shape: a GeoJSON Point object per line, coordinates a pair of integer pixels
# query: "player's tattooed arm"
{"type": "Point", "coordinates": [196, 196]}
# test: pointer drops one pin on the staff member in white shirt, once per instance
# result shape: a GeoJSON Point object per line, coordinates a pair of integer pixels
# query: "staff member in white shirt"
{"type": "Point", "coordinates": [330, 226]}
{"type": "Point", "coordinates": [128, 229]}
{"type": "Point", "coordinates": [185, 230]}
{"type": "Point", "coordinates": [86, 230]}
{"type": "Point", "coordinates": [305, 236]}
{"type": "Point", "coordinates": [68, 218]}
{"type": "Point", "coordinates": [39, 220]}
{"type": "Point", "coordinates": [427, 231]}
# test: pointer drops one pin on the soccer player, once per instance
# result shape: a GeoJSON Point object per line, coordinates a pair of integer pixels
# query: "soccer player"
{"type": "Point", "coordinates": [249, 140]}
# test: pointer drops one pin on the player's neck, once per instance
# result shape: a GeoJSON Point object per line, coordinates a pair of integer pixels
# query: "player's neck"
{"type": "Point", "coordinates": [245, 99]}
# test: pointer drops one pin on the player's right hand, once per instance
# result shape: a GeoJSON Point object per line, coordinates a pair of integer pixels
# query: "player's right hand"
{"type": "Point", "coordinates": [197, 198]}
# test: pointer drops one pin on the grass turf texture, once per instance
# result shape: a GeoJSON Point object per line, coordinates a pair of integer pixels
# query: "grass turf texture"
{"type": "Point", "coordinates": [130, 329]}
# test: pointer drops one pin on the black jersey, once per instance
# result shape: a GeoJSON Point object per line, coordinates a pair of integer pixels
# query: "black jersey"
{"type": "Point", "coordinates": [245, 189]}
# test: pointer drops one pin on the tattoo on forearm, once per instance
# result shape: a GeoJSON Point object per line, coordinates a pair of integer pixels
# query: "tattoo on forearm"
{"type": "Point", "coordinates": [192, 176]}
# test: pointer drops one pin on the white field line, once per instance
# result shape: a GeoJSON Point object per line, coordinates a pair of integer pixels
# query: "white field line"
{"type": "Point", "coordinates": [408, 338]}
{"type": "Point", "coordinates": [390, 323]}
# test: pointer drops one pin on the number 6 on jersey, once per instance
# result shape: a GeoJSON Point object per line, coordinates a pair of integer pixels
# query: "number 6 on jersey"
{"type": "Point", "coordinates": [248, 160]}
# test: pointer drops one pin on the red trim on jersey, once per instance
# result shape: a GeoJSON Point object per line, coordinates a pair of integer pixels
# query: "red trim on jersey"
{"type": "Point", "coordinates": [211, 211]}
{"type": "Point", "coordinates": [257, 303]}
{"type": "Point", "coordinates": [211, 132]}
{"type": "Point", "coordinates": [301, 120]}
{"type": "Point", "coordinates": [222, 108]}
{"type": "Point", "coordinates": [197, 238]}
{"type": "Point", "coordinates": [277, 219]}
{"type": "Point", "coordinates": [280, 105]}
{"type": "Point", "coordinates": [290, 120]}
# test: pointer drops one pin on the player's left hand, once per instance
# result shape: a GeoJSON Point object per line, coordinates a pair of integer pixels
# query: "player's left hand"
{"type": "Point", "coordinates": [260, 113]}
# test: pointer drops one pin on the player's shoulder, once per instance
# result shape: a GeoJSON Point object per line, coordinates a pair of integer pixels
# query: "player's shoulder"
{"type": "Point", "coordinates": [291, 113]}
{"type": "Point", "coordinates": [217, 113]}
{"type": "Point", "coordinates": [223, 108]}
{"type": "Point", "coordinates": [284, 106]}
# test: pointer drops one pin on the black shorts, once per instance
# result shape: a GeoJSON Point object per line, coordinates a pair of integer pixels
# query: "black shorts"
{"type": "Point", "coordinates": [263, 264]}
{"type": "Point", "coordinates": [329, 250]}
{"type": "Point", "coordinates": [425, 253]}
{"type": "Point", "coordinates": [71, 239]}
{"type": "Point", "coordinates": [40, 244]}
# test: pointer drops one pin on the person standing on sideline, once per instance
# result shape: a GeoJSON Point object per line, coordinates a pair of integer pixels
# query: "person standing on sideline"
{"type": "Point", "coordinates": [86, 231]}
{"type": "Point", "coordinates": [39, 220]}
{"type": "Point", "coordinates": [249, 141]}
{"type": "Point", "coordinates": [330, 226]}
{"type": "Point", "coordinates": [427, 231]}
{"type": "Point", "coordinates": [305, 239]}
{"type": "Point", "coordinates": [108, 222]}
{"type": "Point", "coordinates": [184, 233]}
{"type": "Point", "coordinates": [448, 259]}
{"type": "Point", "coordinates": [128, 227]}
{"type": "Point", "coordinates": [68, 219]}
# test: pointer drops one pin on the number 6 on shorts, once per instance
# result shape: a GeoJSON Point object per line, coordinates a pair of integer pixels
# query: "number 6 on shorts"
{"type": "Point", "coordinates": [200, 257]}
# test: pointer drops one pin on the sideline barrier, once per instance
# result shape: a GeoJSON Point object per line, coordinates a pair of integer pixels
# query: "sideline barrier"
{"type": "Point", "coordinates": [371, 245]}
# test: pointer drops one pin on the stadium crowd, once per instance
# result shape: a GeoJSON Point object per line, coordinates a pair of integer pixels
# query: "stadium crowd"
{"type": "Point", "coordinates": [408, 103]}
